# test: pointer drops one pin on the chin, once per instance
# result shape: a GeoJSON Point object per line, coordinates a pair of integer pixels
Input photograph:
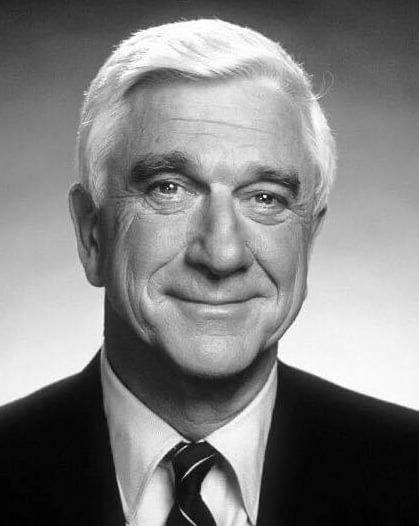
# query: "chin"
{"type": "Point", "coordinates": [212, 356]}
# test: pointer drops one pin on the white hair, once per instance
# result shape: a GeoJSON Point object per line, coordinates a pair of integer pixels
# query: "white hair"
{"type": "Point", "coordinates": [194, 50]}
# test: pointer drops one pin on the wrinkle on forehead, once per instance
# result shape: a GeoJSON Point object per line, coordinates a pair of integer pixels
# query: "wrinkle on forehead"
{"type": "Point", "coordinates": [261, 104]}
{"type": "Point", "coordinates": [223, 123]}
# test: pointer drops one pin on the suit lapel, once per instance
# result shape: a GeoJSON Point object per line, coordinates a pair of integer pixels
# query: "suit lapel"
{"type": "Point", "coordinates": [101, 495]}
{"type": "Point", "coordinates": [279, 495]}
{"type": "Point", "coordinates": [278, 498]}
{"type": "Point", "coordinates": [101, 498]}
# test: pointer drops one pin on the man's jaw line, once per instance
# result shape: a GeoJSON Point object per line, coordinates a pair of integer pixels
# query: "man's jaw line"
{"type": "Point", "coordinates": [195, 404]}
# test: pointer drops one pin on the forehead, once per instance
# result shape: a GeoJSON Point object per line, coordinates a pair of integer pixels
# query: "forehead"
{"type": "Point", "coordinates": [221, 125]}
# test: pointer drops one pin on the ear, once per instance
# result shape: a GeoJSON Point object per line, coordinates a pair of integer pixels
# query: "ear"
{"type": "Point", "coordinates": [85, 216]}
{"type": "Point", "coordinates": [316, 226]}
{"type": "Point", "coordinates": [317, 223]}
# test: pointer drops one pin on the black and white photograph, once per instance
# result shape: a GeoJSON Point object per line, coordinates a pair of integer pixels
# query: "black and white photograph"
{"type": "Point", "coordinates": [210, 263]}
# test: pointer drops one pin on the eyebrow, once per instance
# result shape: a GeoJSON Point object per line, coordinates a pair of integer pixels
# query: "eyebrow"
{"type": "Point", "coordinates": [149, 165]}
{"type": "Point", "coordinates": [287, 178]}
{"type": "Point", "coordinates": [146, 166]}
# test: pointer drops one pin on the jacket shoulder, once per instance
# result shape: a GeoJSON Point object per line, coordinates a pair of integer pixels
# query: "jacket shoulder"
{"type": "Point", "coordinates": [351, 458]}
{"type": "Point", "coordinates": [37, 404]}
{"type": "Point", "coordinates": [54, 446]}
{"type": "Point", "coordinates": [347, 408]}
{"type": "Point", "coordinates": [39, 427]}
{"type": "Point", "coordinates": [47, 409]}
{"type": "Point", "coordinates": [365, 450]}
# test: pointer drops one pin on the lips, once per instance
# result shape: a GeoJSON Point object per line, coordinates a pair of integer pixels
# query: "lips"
{"type": "Point", "coordinates": [230, 310]}
{"type": "Point", "coordinates": [213, 299]}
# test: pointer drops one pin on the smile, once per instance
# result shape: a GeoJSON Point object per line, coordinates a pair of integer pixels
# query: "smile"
{"type": "Point", "coordinates": [213, 301]}
{"type": "Point", "coordinates": [215, 309]}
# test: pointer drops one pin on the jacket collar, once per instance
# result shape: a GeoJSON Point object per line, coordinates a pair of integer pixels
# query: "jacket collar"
{"type": "Point", "coordinates": [104, 505]}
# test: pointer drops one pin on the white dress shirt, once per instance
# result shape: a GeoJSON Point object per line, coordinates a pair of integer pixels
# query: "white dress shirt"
{"type": "Point", "coordinates": [140, 440]}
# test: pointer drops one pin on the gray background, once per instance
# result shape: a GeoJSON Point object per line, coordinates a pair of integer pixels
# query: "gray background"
{"type": "Point", "coordinates": [359, 325]}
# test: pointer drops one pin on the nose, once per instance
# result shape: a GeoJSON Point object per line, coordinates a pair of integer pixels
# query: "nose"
{"type": "Point", "coordinates": [219, 246]}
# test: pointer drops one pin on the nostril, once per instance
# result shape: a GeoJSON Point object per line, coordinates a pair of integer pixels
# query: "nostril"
{"type": "Point", "coordinates": [215, 275]}
{"type": "Point", "coordinates": [218, 260]}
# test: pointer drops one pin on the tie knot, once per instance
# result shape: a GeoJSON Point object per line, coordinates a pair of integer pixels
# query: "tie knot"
{"type": "Point", "coordinates": [191, 463]}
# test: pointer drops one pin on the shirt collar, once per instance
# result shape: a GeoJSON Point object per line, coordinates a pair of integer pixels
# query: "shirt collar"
{"type": "Point", "coordinates": [140, 439]}
{"type": "Point", "coordinates": [242, 442]}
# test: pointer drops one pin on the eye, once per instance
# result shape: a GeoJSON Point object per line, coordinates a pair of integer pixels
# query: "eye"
{"type": "Point", "coordinates": [263, 206]}
{"type": "Point", "coordinates": [166, 187]}
{"type": "Point", "coordinates": [269, 201]}
{"type": "Point", "coordinates": [264, 198]}
{"type": "Point", "coordinates": [169, 195]}
{"type": "Point", "coordinates": [166, 191]}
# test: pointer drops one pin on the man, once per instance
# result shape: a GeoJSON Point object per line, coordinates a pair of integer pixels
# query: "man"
{"type": "Point", "coordinates": [205, 165]}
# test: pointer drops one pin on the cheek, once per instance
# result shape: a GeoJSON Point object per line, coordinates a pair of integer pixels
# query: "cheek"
{"type": "Point", "coordinates": [282, 252]}
{"type": "Point", "coordinates": [145, 242]}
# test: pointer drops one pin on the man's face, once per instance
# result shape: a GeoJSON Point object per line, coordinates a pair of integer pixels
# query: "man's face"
{"type": "Point", "coordinates": [208, 222]}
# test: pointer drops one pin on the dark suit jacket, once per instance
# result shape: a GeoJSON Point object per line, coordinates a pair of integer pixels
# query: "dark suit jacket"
{"type": "Point", "coordinates": [334, 457]}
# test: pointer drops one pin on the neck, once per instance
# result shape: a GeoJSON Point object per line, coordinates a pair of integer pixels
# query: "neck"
{"type": "Point", "coordinates": [194, 406]}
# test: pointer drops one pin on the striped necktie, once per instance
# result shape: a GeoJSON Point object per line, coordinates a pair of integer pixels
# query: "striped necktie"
{"type": "Point", "coordinates": [191, 463]}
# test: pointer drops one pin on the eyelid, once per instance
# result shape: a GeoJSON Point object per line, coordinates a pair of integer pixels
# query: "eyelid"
{"type": "Point", "coordinates": [187, 183]}
{"type": "Point", "coordinates": [158, 182]}
{"type": "Point", "coordinates": [280, 193]}
{"type": "Point", "coordinates": [183, 188]}
{"type": "Point", "coordinates": [264, 186]}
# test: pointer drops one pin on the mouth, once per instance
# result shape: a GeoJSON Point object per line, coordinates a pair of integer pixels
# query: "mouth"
{"type": "Point", "coordinates": [215, 302]}
{"type": "Point", "coordinates": [220, 309]}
